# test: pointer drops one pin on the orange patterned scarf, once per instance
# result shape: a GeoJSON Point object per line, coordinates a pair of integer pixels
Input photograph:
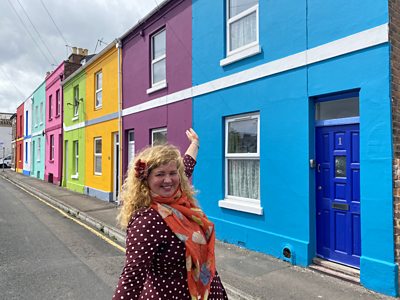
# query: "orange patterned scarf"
{"type": "Point", "coordinates": [192, 227]}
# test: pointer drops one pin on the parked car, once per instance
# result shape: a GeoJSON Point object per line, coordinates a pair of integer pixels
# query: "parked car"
{"type": "Point", "coordinates": [6, 162]}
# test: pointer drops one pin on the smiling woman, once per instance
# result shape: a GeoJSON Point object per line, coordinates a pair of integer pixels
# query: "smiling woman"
{"type": "Point", "coordinates": [170, 241]}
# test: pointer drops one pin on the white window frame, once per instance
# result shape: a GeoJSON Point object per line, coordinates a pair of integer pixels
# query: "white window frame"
{"type": "Point", "coordinates": [38, 149]}
{"type": "Point", "coordinates": [247, 50]}
{"type": "Point", "coordinates": [153, 131]}
{"type": "Point", "coordinates": [131, 146]}
{"type": "Point", "coordinates": [155, 86]}
{"type": "Point", "coordinates": [76, 101]}
{"type": "Point", "coordinates": [75, 145]}
{"type": "Point", "coordinates": [58, 103]}
{"type": "Point", "coordinates": [36, 115]}
{"type": "Point", "coordinates": [98, 90]}
{"type": "Point", "coordinates": [26, 152]}
{"type": "Point", "coordinates": [234, 202]}
{"type": "Point", "coordinates": [51, 147]}
{"type": "Point", "coordinates": [50, 107]}
{"type": "Point", "coordinates": [41, 113]}
{"type": "Point", "coordinates": [98, 155]}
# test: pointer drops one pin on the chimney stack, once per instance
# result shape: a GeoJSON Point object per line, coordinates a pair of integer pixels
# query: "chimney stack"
{"type": "Point", "coordinates": [77, 55]}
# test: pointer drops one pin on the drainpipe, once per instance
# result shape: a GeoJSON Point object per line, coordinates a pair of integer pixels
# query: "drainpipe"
{"type": "Point", "coordinates": [119, 46]}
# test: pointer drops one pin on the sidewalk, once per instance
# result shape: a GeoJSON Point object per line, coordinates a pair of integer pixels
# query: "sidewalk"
{"type": "Point", "coordinates": [246, 275]}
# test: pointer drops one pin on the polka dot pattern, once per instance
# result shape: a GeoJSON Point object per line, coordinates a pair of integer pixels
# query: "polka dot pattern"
{"type": "Point", "coordinates": [155, 263]}
{"type": "Point", "coordinates": [189, 163]}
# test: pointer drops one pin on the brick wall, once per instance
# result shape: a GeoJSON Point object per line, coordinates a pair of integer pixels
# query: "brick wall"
{"type": "Point", "coordinates": [394, 36]}
{"type": "Point", "coordinates": [70, 67]}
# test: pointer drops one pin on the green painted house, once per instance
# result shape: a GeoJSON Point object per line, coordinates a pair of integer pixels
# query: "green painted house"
{"type": "Point", "coordinates": [74, 89]}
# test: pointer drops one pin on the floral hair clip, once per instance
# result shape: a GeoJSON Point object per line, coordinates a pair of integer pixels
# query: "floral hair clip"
{"type": "Point", "coordinates": [141, 170]}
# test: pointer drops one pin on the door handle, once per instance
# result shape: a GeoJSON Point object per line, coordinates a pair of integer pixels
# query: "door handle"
{"type": "Point", "coordinates": [318, 168]}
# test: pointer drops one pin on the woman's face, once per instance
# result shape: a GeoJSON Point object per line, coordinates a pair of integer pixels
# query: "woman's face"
{"type": "Point", "coordinates": [164, 180]}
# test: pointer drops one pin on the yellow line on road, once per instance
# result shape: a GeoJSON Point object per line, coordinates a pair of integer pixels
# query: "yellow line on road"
{"type": "Point", "coordinates": [111, 242]}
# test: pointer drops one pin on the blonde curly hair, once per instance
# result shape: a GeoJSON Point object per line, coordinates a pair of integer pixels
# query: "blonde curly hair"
{"type": "Point", "coordinates": [135, 194]}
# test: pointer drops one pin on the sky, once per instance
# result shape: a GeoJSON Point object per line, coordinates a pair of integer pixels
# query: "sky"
{"type": "Point", "coordinates": [34, 35]}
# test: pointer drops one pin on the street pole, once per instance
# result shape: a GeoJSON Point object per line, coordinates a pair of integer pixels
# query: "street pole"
{"type": "Point", "coordinates": [4, 152]}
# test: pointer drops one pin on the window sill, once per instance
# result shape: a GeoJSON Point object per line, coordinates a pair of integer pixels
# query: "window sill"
{"type": "Point", "coordinates": [50, 119]}
{"type": "Point", "coordinates": [75, 118]}
{"type": "Point", "coordinates": [98, 107]}
{"type": "Point", "coordinates": [241, 206]}
{"type": "Point", "coordinates": [58, 116]}
{"type": "Point", "coordinates": [157, 87]}
{"type": "Point", "coordinates": [51, 161]}
{"type": "Point", "coordinates": [247, 52]}
{"type": "Point", "coordinates": [76, 176]}
{"type": "Point", "coordinates": [97, 174]}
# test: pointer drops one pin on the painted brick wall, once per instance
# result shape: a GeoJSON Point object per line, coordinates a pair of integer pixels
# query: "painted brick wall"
{"type": "Point", "coordinates": [394, 35]}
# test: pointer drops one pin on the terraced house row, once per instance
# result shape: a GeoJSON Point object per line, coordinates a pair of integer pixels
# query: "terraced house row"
{"type": "Point", "coordinates": [296, 104]}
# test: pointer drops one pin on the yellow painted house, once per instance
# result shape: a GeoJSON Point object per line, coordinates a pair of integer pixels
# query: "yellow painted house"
{"type": "Point", "coordinates": [102, 125]}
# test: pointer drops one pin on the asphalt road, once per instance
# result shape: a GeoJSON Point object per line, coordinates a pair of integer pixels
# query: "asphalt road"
{"type": "Point", "coordinates": [44, 255]}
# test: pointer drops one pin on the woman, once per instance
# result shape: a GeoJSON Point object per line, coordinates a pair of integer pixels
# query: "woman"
{"type": "Point", "coordinates": [170, 242]}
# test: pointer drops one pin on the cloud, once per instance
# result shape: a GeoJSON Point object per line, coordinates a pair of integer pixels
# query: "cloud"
{"type": "Point", "coordinates": [24, 58]}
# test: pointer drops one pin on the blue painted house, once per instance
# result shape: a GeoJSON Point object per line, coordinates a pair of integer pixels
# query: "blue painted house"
{"type": "Point", "coordinates": [292, 101]}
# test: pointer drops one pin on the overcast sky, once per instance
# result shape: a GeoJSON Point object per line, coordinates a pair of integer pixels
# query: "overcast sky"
{"type": "Point", "coordinates": [28, 51]}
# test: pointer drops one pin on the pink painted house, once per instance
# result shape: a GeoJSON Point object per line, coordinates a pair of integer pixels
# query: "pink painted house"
{"type": "Point", "coordinates": [54, 118]}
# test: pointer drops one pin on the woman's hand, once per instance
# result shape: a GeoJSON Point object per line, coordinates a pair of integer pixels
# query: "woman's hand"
{"type": "Point", "coordinates": [194, 143]}
{"type": "Point", "coordinates": [193, 137]}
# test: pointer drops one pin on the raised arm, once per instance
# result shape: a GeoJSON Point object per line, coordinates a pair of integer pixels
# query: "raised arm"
{"type": "Point", "coordinates": [189, 160]}
{"type": "Point", "coordinates": [193, 148]}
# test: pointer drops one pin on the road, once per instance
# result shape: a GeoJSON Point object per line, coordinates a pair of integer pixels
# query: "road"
{"type": "Point", "coordinates": [44, 255]}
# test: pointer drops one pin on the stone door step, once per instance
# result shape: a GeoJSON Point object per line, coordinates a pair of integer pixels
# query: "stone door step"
{"type": "Point", "coordinates": [337, 270]}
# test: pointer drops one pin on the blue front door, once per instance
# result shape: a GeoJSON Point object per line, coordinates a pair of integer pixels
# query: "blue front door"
{"type": "Point", "coordinates": [338, 193]}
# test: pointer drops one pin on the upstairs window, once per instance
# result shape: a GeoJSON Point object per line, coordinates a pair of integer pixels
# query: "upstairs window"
{"type": "Point", "coordinates": [36, 115]}
{"type": "Point", "coordinates": [52, 147]}
{"type": "Point", "coordinates": [158, 59]}
{"type": "Point", "coordinates": [159, 136]}
{"type": "Point", "coordinates": [242, 26]}
{"type": "Point", "coordinates": [58, 103]}
{"type": "Point", "coordinates": [99, 90]}
{"type": "Point", "coordinates": [76, 100]}
{"type": "Point", "coordinates": [41, 113]}
{"type": "Point", "coordinates": [50, 107]}
{"type": "Point", "coordinates": [241, 30]}
{"type": "Point", "coordinates": [26, 122]}
{"type": "Point", "coordinates": [21, 131]}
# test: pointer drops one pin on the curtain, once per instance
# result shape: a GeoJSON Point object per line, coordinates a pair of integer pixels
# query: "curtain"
{"type": "Point", "coordinates": [243, 178]}
{"type": "Point", "coordinates": [243, 31]}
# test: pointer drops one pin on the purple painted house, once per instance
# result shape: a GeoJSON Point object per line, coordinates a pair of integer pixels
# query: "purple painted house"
{"type": "Point", "coordinates": [54, 117]}
{"type": "Point", "coordinates": [156, 79]}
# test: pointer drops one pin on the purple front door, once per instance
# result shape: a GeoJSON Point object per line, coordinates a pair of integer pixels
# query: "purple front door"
{"type": "Point", "coordinates": [338, 194]}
